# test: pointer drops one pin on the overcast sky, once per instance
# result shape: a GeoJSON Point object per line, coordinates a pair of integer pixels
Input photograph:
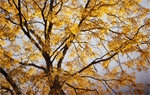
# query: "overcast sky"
{"type": "Point", "coordinates": [142, 76]}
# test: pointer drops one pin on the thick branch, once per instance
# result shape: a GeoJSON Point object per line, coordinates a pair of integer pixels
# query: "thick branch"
{"type": "Point", "coordinates": [9, 2]}
{"type": "Point", "coordinates": [66, 47]}
{"type": "Point", "coordinates": [87, 3]}
{"type": "Point", "coordinates": [57, 54]}
{"type": "Point", "coordinates": [80, 88]}
{"type": "Point", "coordinates": [59, 8]}
{"type": "Point", "coordinates": [60, 46]}
{"type": "Point", "coordinates": [28, 64]}
{"type": "Point", "coordinates": [85, 16]}
{"type": "Point", "coordinates": [61, 59]}
{"type": "Point", "coordinates": [50, 23]}
{"type": "Point", "coordinates": [10, 80]}
{"type": "Point", "coordinates": [32, 40]}
{"type": "Point", "coordinates": [37, 37]}
{"type": "Point", "coordinates": [94, 62]}
{"type": "Point", "coordinates": [44, 5]}
{"type": "Point", "coordinates": [100, 79]}
{"type": "Point", "coordinates": [89, 29]}
{"type": "Point", "coordinates": [34, 65]}
{"type": "Point", "coordinates": [21, 25]}
{"type": "Point", "coordinates": [51, 5]}
{"type": "Point", "coordinates": [8, 89]}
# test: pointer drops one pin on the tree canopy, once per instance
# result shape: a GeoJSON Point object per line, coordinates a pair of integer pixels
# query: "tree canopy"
{"type": "Point", "coordinates": [73, 47]}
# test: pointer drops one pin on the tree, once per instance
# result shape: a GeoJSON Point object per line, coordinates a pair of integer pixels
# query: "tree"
{"type": "Point", "coordinates": [73, 46]}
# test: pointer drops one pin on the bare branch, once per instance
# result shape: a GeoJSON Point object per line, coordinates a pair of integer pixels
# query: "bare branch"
{"type": "Point", "coordinates": [60, 46]}
{"type": "Point", "coordinates": [37, 4]}
{"type": "Point", "coordinates": [59, 8]}
{"type": "Point", "coordinates": [111, 88]}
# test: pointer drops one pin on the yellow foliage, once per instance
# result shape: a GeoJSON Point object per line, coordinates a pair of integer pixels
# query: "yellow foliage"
{"type": "Point", "coordinates": [73, 46]}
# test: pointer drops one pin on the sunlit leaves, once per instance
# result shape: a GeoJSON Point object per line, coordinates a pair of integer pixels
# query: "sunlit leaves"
{"type": "Point", "coordinates": [52, 46]}
{"type": "Point", "coordinates": [105, 64]}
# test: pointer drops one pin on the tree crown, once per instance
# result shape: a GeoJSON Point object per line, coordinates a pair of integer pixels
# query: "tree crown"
{"type": "Point", "coordinates": [73, 46]}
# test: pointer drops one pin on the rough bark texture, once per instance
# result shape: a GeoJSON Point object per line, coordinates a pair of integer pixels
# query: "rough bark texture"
{"type": "Point", "coordinates": [56, 88]}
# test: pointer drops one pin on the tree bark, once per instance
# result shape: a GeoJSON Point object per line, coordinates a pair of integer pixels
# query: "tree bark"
{"type": "Point", "coordinates": [56, 88]}
{"type": "Point", "coordinates": [10, 80]}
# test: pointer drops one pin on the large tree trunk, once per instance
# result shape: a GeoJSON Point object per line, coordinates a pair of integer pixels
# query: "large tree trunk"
{"type": "Point", "coordinates": [56, 88]}
{"type": "Point", "coordinates": [56, 91]}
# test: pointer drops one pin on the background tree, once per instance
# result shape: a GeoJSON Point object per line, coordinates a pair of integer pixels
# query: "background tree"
{"type": "Point", "coordinates": [72, 46]}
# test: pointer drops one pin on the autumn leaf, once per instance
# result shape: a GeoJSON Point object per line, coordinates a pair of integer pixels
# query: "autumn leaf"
{"type": "Point", "coordinates": [85, 47]}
